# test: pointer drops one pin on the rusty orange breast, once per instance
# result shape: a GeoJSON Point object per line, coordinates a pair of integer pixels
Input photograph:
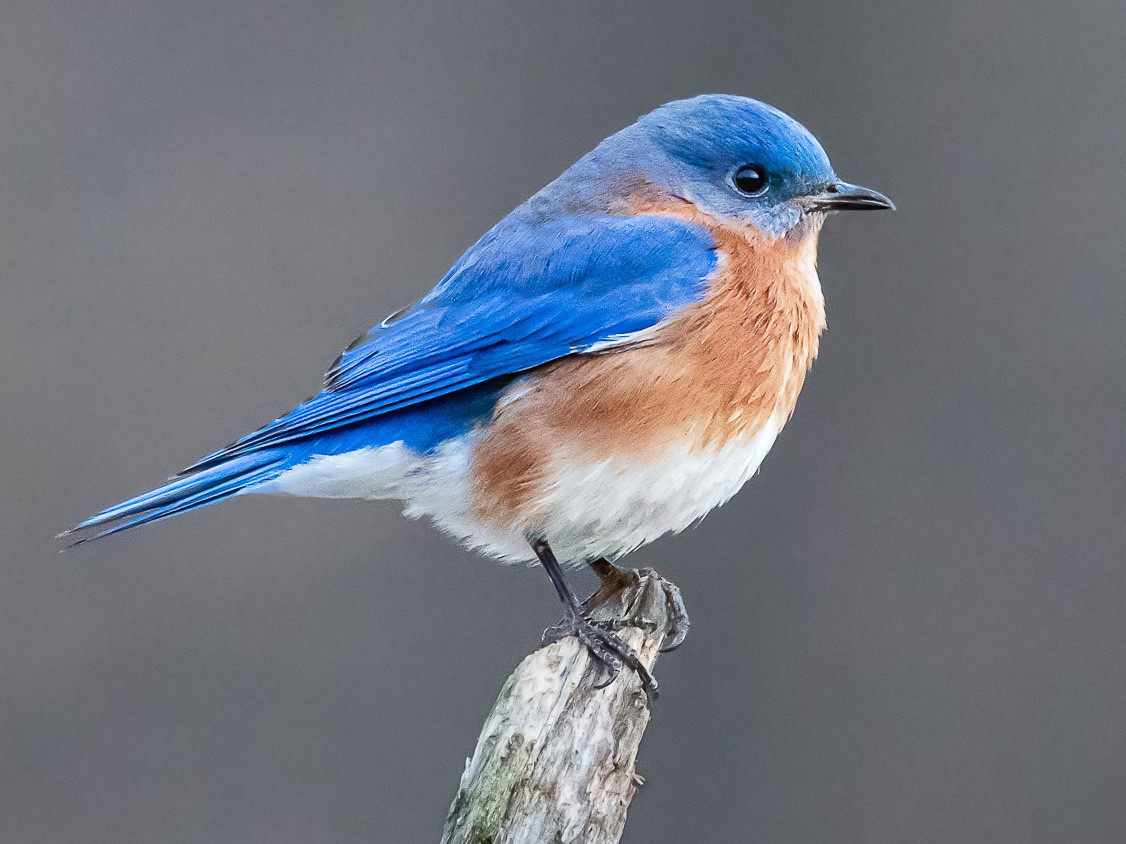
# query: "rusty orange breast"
{"type": "Point", "coordinates": [721, 369]}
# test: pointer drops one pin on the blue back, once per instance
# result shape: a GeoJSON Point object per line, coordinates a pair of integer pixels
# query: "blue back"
{"type": "Point", "coordinates": [528, 293]}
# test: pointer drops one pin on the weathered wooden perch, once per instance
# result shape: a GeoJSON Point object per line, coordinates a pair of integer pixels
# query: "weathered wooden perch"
{"type": "Point", "coordinates": [555, 760]}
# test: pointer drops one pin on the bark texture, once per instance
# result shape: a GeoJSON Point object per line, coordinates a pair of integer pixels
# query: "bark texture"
{"type": "Point", "coordinates": [555, 760]}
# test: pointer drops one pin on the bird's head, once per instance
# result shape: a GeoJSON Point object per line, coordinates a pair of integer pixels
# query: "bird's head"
{"type": "Point", "coordinates": [733, 157]}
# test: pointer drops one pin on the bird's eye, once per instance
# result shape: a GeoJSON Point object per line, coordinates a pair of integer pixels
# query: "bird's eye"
{"type": "Point", "coordinates": [750, 179]}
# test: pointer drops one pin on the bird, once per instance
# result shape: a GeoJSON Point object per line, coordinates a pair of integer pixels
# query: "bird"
{"type": "Point", "coordinates": [605, 366]}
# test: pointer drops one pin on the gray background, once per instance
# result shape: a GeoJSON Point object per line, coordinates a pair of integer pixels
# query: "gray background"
{"type": "Point", "coordinates": [910, 627]}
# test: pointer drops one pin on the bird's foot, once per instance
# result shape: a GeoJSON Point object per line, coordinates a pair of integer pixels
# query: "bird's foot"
{"type": "Point", "coordinates": [614, 580]}
{"type": "Point", "coordinates": [605, 646]}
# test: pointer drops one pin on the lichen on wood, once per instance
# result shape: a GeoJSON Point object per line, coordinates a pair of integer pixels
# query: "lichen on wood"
{"type": "Point", "coordinates": [555, 761]}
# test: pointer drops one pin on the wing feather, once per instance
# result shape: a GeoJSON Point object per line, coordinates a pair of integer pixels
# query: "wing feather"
{"type": "Point", "coordinates": [526, 294]}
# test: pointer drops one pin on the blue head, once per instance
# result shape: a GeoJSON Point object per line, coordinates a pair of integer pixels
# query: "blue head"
{"type": "Point", "coordinates": [733, 157]}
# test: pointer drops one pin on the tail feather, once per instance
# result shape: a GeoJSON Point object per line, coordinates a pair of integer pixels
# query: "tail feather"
{"type": "Point", "coordinates": [180, 495]}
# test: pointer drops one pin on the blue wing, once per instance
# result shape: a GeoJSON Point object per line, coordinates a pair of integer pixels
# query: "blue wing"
{"type": "Point", "coordinates": [526, 294]}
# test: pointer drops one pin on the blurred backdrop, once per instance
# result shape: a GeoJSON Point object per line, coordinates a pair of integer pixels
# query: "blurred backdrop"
{"type": "Point", "coordinates": [909, 627]}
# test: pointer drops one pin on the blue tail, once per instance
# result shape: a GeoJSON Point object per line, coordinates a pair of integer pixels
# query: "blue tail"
{"type": "Point", "coordinates": [421, 428]}
{"type": "Point", "coordinates": [182, 494]}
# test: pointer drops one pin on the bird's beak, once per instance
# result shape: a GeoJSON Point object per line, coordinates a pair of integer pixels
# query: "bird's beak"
{"type": "Point", "coordinates": [841, 196]}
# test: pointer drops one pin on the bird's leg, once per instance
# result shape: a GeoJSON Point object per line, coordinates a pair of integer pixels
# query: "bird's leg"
{"type": "Point", "coordinates": [614, 580]}
{"type": "Point", "coordinates": [604, 644]}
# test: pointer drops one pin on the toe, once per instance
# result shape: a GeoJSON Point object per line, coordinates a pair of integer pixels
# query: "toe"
{"type": "Point", "coordinates": [678, 616]}
{"type": "Point", "coordinates": [676, 636]}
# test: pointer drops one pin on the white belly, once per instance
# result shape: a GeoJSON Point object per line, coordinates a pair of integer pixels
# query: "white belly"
{"type": "Point", "coordinates": [587, 509]}
{"type": "Point", "coordinates": [614, 506]}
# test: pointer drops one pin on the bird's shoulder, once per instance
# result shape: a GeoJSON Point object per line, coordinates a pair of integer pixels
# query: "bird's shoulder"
{"type": "Point", "coordinates": [571, 281]}
{"type": "Point", "coordinates": [530, 292]}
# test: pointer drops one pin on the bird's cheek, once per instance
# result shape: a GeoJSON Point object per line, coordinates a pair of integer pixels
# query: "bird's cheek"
{"type": "Point", "coordinates": [777, 220]}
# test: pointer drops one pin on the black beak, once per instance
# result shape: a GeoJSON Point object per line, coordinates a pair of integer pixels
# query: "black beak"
{"type": "Point", "coordinates": [841, 196]}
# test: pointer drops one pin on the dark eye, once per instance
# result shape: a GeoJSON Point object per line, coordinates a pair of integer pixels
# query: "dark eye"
{"type": "Point", "coordinates": [750, 179]}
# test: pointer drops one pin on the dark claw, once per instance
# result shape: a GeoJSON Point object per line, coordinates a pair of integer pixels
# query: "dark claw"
{"type": "Point", "coordinates": [677, 613]}
{"type": "Point", "coordinates": [611, 675]}
{"type": "Point", "coordinates": [610, 663]}
{"type": "Point", "coordinates": [604, 645]}
{"type": "Point", "coordinates": [607, 649]}
{"type": "Point", "coordinates": [678, 618]}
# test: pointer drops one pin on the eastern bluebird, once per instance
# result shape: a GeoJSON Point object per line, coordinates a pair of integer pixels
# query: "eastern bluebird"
{"type": "Point", "coordinates": [607, 364]}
